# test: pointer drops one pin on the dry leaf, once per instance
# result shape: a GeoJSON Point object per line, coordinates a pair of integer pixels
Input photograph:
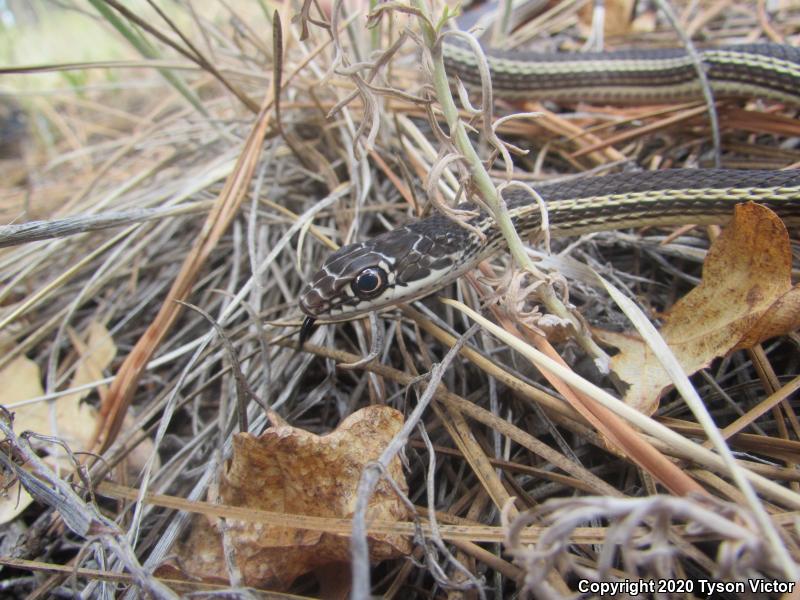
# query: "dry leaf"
{"type": "Point", "coordinates": [618, 16]}
{"type": "Point", "coordinates": [746, 296]}
{"type": "Point", "coordinates": [67, 417]}
{"type": "Point", "coordinates": [19, 380]}
{"type": "Point", "coordinates": [647, 22]}
{"type": "Point", "coordinates": [289, 470]}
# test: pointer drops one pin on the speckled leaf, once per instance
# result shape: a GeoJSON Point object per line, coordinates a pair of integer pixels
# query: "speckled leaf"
{"type": "Point", "coordinates": [746, 297]}
{"type": "Point", "coordinates": [289, 470]}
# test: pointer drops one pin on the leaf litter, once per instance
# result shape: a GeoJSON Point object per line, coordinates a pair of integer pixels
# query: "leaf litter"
{"type": "Point", "coordinates": [168, 151]}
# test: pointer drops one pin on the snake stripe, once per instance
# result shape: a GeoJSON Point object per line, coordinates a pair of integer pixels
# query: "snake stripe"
{"type": "Point", "coordinates": [770, 71]}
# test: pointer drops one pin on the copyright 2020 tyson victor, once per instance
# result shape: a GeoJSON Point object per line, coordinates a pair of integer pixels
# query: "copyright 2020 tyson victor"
{"type": "Point", "coordinates": [685, 586]}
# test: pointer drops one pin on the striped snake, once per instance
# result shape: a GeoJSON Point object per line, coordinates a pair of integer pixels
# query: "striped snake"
{"type": "Point", "coordinates": [420, 258]}
{"type": "Point", "coordinates": [768, 71]}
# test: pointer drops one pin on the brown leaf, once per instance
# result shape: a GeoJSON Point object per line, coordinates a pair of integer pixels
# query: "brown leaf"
{"type": "Point", "coordinates": [19, 380]}
{"type": "Point", "coordinates": [67, 417]}
{"type": "Point", "coordinates": [618, 16]}
{"type": "Point", "coordinates": [746, 297]}
{"type": "Point", "coordinates": [289, 470]}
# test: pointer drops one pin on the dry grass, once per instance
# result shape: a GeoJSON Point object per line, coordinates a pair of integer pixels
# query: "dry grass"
{"type": "Point", "coordinates": [188, 184]}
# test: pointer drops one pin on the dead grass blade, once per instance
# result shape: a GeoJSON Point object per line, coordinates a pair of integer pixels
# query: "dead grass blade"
{"type": "Point", "coordinates": [113, 410]}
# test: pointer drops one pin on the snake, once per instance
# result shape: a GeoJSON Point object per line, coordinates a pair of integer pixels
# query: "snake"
{"type": "Point", "coordinates": [420, 258]}
{"type": "Point", "coordinates": [648, 76]}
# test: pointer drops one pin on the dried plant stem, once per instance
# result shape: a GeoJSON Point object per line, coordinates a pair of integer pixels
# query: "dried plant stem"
{"type": "Point", "coordinates": [483, 183]}
{"type": "Point", "coordinates": [708, 95]}
{"type": "Point", "coordinates": [121, 393]}
{"type": "Point", "coordinates": [741, 476]}
{"type": "Point", "coordinates": [371, 475]}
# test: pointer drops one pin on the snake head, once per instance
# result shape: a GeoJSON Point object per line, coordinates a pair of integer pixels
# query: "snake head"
{"type": "Point", "coordinates": [398, 266]}
{"type": "Point", "coordinates": [351, 281]}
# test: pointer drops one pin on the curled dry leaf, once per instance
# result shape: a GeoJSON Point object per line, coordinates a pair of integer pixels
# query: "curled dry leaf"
{"type": "Point", "coordinates": [289, 470]}
{"type": "Point", "coordinates": [746, 297]}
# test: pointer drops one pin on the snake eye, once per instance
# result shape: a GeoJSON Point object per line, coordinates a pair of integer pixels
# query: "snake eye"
{"type": "Point", "coordinates": [369, 283]}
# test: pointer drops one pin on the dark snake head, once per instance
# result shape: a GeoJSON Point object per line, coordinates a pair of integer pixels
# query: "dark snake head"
{"type": "Point", "coordinates": [398, 266]}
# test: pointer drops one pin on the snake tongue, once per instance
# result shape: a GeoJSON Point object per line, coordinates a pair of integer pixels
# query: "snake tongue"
{"type": "Point", "coordinates": [306, 329]}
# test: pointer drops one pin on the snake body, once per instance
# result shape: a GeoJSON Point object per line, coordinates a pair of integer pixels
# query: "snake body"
{"type": "Point", "coordinates": [417, 259]}
{"type": "Point", "coordinates": [768, 71]}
